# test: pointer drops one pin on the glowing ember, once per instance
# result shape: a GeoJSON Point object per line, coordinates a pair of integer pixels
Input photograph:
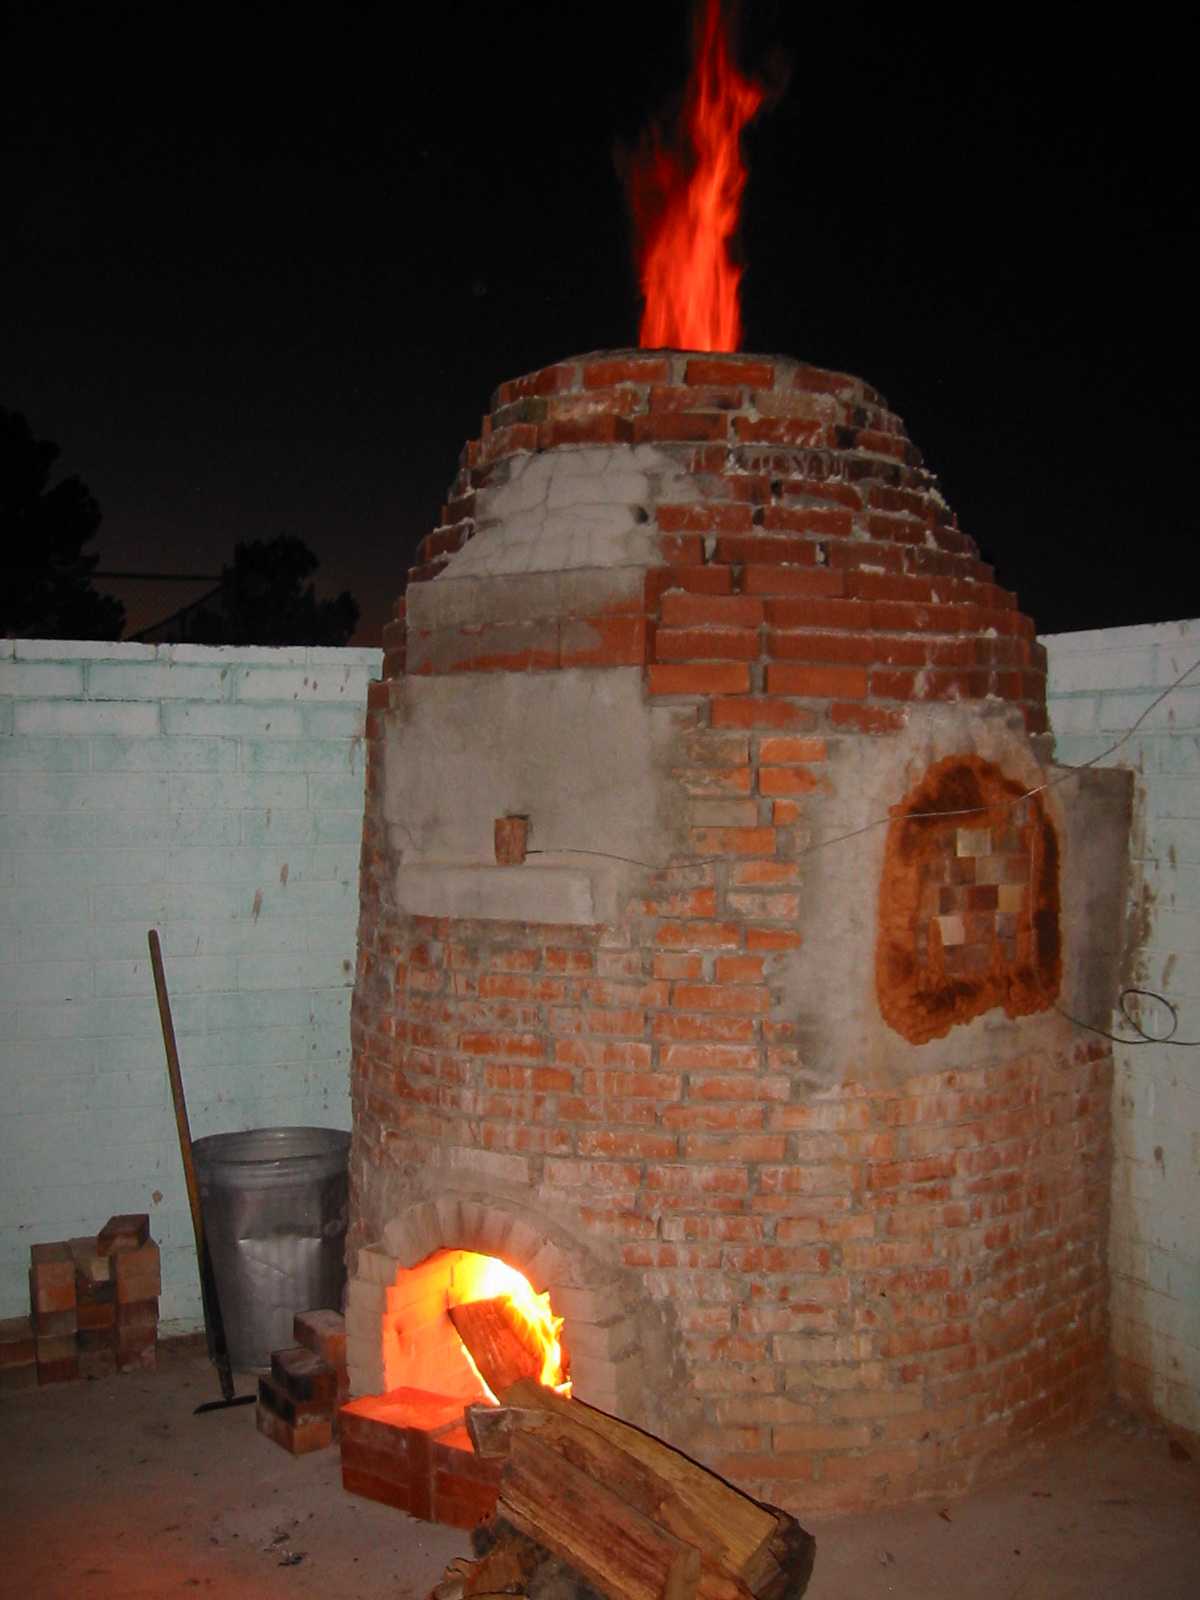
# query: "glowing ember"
{"type": "Point", "coordinates": [685, 204]}
{"type": "Point", "coordinates": [479, 1277]}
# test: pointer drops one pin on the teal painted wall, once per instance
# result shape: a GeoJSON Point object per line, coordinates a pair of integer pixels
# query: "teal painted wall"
{"type": "Point", "coordinates": [217, 795]}
{"type": "Point", "coordinates": [1099, 685]}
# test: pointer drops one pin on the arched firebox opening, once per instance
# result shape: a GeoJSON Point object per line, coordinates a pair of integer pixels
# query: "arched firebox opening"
{"type": "Point", "coordinates": [407, 1292]}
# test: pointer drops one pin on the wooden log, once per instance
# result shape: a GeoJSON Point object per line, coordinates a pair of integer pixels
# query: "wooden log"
{"type": "Point", "coordinates": [741, 1527]}
{"type": "Point", "coordinates": [505, 1569]}
{"type": "Point", "coordinates": [492, 1335]}
{"type": "Point", "coordinates": [491, 1427]}
{"type": "Point", "coordinates": [604, 1462]}
{"type": "Point", "coordinates": [618, 1549]}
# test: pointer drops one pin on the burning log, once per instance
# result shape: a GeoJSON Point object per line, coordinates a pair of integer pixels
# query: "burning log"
{"type": "Point", "coordinates": [499, 1341]}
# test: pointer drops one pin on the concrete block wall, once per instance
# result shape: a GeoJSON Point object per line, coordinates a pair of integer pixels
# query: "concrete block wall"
{"type": "Point", "coordinates": [217, 795]}
{"type": "Point", "coordinates": [1100, 683]}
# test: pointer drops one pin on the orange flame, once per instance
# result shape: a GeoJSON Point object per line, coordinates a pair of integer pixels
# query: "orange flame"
{"type": "Point", "coordinates": [686, 201]}
{"type": "Point", "coordinates": [478, 1277]}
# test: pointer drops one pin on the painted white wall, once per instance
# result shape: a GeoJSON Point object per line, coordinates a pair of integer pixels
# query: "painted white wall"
{"type": "Point", "coordinates": [216, 794]}
{"type": "Point", "coordinates": [1100, 683]}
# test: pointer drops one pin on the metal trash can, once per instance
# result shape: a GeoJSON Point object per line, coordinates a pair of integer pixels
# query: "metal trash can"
{"type": "Point", "coordinates": [276, 1203]}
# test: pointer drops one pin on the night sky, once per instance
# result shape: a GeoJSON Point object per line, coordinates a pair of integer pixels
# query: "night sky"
{"type": "Point", "coordinates": [260, 279]}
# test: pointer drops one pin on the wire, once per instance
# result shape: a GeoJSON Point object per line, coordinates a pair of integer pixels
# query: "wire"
{"type": "Point", "coordinates": [972, 811]}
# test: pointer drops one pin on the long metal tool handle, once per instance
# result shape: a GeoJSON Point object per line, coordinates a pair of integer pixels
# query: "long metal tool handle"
{"type": "Point", "coordinates": [208, 1283]}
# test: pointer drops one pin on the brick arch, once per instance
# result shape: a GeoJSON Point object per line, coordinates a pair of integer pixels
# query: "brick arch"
{"type": "Point", "coordinates": [599, 1334]}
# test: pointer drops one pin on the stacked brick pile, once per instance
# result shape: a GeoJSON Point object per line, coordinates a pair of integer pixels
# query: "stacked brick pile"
{"type": "Point", "coordinates": [94, 1308]}
{"type": "Point", "coordinates": [298, 1402]}
{"type": "Point", "coordinates": [410, 1449]}
{"type": "Point", "coordinates": [18, 1354]}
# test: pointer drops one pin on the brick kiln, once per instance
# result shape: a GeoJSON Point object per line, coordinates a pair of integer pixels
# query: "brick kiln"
{"type": "Point", "coordinates": [713, 907]}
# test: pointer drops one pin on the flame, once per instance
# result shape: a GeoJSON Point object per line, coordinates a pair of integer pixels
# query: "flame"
{"type": "Point", "coordinates": [685, 203]}
{"type": "Point", "coordinates": [478, 1277]}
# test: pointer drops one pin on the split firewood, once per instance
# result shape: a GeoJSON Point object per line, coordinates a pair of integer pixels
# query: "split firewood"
{"type": "Point", "coordinates": [493, 1334]}
{"type": "Point", "coordinates": [630, 1479]}
{"type": "Point", "coordinates": [491, 1427]}
{"type": "Point", "coordinates": [616, 1547]}
{"type": "Point", "coordinates": [505, 1569]}
{"type": "Point", "coordinates": [737, 1528]}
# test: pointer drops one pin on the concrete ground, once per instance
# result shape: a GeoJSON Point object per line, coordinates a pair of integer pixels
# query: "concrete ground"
{"type": "Point", "coordinates": [115, 1489]}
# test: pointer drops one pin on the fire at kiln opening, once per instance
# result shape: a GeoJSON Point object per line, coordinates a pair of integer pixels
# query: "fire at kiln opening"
{"type": "Point", "coordinates": [468, 1325]}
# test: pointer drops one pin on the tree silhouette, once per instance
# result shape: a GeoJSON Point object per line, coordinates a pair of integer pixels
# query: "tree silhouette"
{"type": "Point", "coordinates": [263, 599]}
{"type": "Point", "coordinates": [45, 575]}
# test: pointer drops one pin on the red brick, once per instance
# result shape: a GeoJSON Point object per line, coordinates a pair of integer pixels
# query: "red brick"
{"type": "Point", "coordinates": [730, 678]}
{"type": "Point", "coordinates": [602, 642]}
{"type": "Point", "coordinates": [457, 1502]}
{"type": "Point", "coordinates": [908, 616]}
{"type": "Point", "coordinates": [768, 939]}
{"type": "Point", "coordinates": [906, 650]}
{"type": "Point", "coordinates": [778, 430]}
{"type": "Point", "coordinates": [550, 380]}
{"type": "Point", "coordinates": [823, 521]}
{"type": "Point", "coordinates": [749, 998]}
{"type": "Point", "coordinates": [630, 1055]}
{"type": "Point", "coordinates": [816, 380]}
{"type": "Point", "coordinates": [787, 780]}
{"type": "Point", "coordinates": [783, 580]}
{"type": "Point", "coordinates": [446, 540]}
{"type": "Point", "coordinates": [718, 370]}
{"type": "Point", "coordinates": [760, 874]}
{"type": "Point", "coordinates": [866, 719]}
{"type": "Point", "coordinates": [632, 1146]}
{"type": "Point", "coordinates": [800, 612]}
{"type": "Point", "coordinates": [835, 490]}
{"type": "Point", "coordinates": [520, 1046]}
{"type": "Point", "coordinates": [706, 517]}
{"type": "Point", "coordinates": [699, 935]}
{"type": "Point", "coordinates": [519, 437]}
{"type": "Point", "coordinates": [710, 643]}
{"type": "Point", "coordinates": [783, 750]}
{"type": "Point", "coordinates": [675, 1025]}
{"type": "Point", "coordinates": [681, 609]}
{"type": "Point", "coordinates": [715, 1118]}
{"type": "Point", "coordinates": [678, 427]}
{"type": "Point", "coordinates": [669, 397]}
{"type": "Point", "coordinates": [791, 644]}
{"type": "Point", "coordinates": [591, 404]}
{"type": "Point", "coordinates": [553, 434]}
{"type": "Point", "coordinates": [757, 713]}
{"type": "Point", "coordinates": [893, 585]}
{"type": "Point", "coordinates": [734, 841]}
{"type": "Point", "coordinates": [899, 530]}
{"type": "Point", "coordinates": [738, 969]}
{"type": "Point", "coordinates": [128, 1231]}
{"type": "Point", "coordinates": [626, 369]}
{"type": "Point", "coordinates": [848, 683]}
{"type": "Point", "coordinates": [758, 549]}
{"type": "Point", "coordinates": [710, 1057]}
{"type": "Point", "coordinates": [894, 683]}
